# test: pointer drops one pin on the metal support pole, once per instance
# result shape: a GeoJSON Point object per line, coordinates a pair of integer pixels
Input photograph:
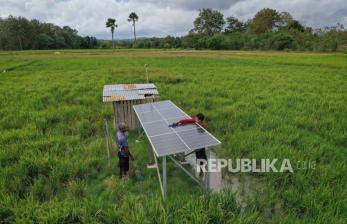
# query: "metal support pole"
{"type": "Point", "coordinates": [208, 155]}
{"type": "Point", "coordinates": [159, 177]}
{"type": "Point", "coordinates": [164, 178]}
{"type": "Point", "coordinates": [107, 142]}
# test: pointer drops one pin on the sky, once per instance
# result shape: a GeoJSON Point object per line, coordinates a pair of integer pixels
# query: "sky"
{"type": "Point", "coordinates": [164, 17]}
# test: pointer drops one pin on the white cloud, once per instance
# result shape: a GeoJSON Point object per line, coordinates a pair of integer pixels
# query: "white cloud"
{"type": "Point", "coordinates": [163, 17]}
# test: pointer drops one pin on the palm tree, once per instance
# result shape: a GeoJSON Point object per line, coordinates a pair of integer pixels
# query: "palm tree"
{"type": "Point", "coordinates": [111, 23]}
{"type": "Point", "coordinates": [133, 18]}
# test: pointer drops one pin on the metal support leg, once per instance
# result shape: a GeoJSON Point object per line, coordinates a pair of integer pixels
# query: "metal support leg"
{"type": "Point", "coordinates": [208, 155]}
{"type": "Point", "coordinates": [159, 176]}
{"type": "Point", "coordinates": [164, 178]}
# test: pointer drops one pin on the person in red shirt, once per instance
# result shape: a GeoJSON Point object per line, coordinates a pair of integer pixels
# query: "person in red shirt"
{"type": "Point", "coordinates": [199, 119]}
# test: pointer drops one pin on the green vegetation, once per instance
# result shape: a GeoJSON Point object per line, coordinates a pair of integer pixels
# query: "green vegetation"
{"type": "Point", "coordinates": [268, 30]}
{"type": "Point", "coordinates": [19, 33]}
{"type": "Point", "coordinates": [261, 105]}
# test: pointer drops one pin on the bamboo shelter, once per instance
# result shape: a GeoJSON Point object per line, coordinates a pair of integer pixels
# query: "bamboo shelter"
{"type": "Point", "coordinates": [124, 96]}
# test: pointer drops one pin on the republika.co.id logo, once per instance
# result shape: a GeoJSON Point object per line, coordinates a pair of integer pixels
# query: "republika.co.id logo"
{"type": "Point", "coordinates": [247, 165]}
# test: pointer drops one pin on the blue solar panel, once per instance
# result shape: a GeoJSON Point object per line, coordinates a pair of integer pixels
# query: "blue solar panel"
{"type": "Point", "coordinates": [155, 119]}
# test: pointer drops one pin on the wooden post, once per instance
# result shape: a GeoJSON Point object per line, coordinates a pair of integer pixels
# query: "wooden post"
{"type": "Point", "coordinates": [132, 114]}
{"type": "Point", "coordinates": [115, 116]}
{"type": "Point", "coordinates": [128, 116]}
{"type": "Point", "coordinates": [121, 112]}
{"type": "Point", "coordinates": [117, 106]}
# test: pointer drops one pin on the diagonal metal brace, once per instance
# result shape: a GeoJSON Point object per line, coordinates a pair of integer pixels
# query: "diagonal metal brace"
{"type": "Point", "coordinates": [187, 172]}
{"type": "Point", "coordinates": [159, 177]}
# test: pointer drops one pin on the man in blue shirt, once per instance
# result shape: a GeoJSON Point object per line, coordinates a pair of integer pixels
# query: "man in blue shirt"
{"type": "Point", "coordinates": [123, 150]}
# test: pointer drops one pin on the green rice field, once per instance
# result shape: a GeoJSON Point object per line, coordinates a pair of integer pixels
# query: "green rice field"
{"type": "Point", "coordinates": [53, 156]}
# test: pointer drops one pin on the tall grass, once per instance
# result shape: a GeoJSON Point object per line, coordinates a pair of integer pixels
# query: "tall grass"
{"type": "Point", "coordinates": [261, 105]}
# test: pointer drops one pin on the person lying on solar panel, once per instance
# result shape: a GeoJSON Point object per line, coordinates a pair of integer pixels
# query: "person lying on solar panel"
{"type": "Point", "coordinates": [123, 150]}
{"type": "Point", "coordinates": [200, 153]}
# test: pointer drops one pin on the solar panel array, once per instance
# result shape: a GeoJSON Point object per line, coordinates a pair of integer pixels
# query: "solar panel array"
{"type": "Point", "coordinates": [155, 119]}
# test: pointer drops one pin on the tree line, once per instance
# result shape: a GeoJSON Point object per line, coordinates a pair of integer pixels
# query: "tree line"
{"type": "Point", "coordinates": [268, 30]}
{"type": "Point", "coordinates": [19, 33]}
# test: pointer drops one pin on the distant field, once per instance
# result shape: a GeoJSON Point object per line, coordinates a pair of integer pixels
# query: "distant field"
{"type": "Point", "coordinates": [260, 104]}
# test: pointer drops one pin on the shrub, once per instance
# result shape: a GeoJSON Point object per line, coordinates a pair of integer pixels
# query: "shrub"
{"type": "Point", "coordinates": [215, 42]}
{"type": "Point", "coordinates": [281, 41]}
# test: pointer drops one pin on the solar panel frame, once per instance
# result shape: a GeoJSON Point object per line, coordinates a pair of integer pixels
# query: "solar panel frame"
{"type": "Point", "coordinates": [158, 128]}
{"type": "Point", "coordinates": [198, 140]}
{"type": "Point", "coordinates": [168, 144]}
{"type": "Point", "coordinates": [150, 117]}
{"type": "Point", "coordinates": [143, 108]}
{"type": "Point", "coordinates": [151, 114]}
{"type": "Point", "coordinates": [172, 113]}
